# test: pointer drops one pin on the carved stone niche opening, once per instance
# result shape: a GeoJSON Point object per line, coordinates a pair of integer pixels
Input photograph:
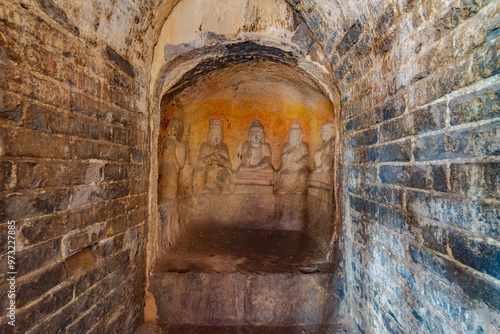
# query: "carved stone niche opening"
{"type": "Point", "coordinates": [244, 189]}
{"type": "Point", "coordinates": [248, 191]}
{"type": "Point", "coordinates": [246, 165]}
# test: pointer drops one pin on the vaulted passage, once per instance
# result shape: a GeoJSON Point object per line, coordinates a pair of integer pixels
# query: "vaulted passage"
{"type": "Point", "coordinates": [249, 166]}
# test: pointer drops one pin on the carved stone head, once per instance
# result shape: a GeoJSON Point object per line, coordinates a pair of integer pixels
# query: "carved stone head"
{"type": "Point", "coordinates": [175, 128]}
{"type": "Point", "coordinates": [327, 130]}
{"type": "Point", "coordinates": [215, 134]}
{"type": "Point", "coordinates": [295, 134]}
{"type": "Point", "coordinates": [256, 133]}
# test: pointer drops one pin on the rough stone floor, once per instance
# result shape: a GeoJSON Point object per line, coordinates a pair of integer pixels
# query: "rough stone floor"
{"type": "Point", "coordinates": [229, 250]}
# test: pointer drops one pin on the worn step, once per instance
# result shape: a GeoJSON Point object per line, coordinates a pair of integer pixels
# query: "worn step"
{"type": "Point", "coordinates": [193, 329]}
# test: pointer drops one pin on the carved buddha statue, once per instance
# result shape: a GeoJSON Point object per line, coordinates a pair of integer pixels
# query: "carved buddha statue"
{"type": "Point", "coordinates": [212, 172]}
{"type": "Point", "coordinates": [324, 157]}
{"type": "Point", "coordinates": [293, 173]}
{"type": "Point", "coordinates": [255, 153]}
{"type": "Point", "coordinates": [172, 160]}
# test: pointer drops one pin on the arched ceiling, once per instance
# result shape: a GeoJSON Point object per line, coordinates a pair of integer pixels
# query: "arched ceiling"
{"type": "Point", "coordinates": [132, 27]}
{"type": "Point", "coordinates": [216, 27]}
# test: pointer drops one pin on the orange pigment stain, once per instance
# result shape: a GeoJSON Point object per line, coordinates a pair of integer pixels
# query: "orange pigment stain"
{"type": "Point", "coordinates": [276, 116]}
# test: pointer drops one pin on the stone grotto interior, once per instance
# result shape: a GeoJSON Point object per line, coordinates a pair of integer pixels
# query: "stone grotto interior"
{"type": "Point", "coordinates": [250, 166]}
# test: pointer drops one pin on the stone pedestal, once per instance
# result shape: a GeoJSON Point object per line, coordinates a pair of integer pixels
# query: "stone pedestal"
{"type": "Point", "coordinates": [320, 186]}
{"type": "Point", "coordinates": [254, 183]}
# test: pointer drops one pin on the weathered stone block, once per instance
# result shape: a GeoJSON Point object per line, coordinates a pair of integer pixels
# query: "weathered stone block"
{"type": "Point", "coordinates": [56, 13]}
{"type": "Point", "coordinates": [476, 181]}
{"type": "Point", "coordinates": [384, 22]}
{"type": "Point", "coordinates": [399, 151]}
{"type": "Point", "coordinates": [36, 286]}
{"type": "Point", "coordinates": [476, 254]}
{"type": "Point", "coordinates": [486, 61]}
{"type": "Point", "coordinates": [469, 282]}
{"type": "Point", "coordinates": [394, 108]}
{"type": "Point", "coordinates": [113, 152]}
{"type": "Point", "coordinates": [86, 150]}
{"type": "Point", "coordinates": [74, 242]}
{"type": "Point", "coordinates": [359, 177]}
{"type": "Point", "coordinates": [123, 64]}
{"type": "Point", "coordinates": [38, 256]}
{"type": "Point", "coordinates": [314, 20]}
{"type": "Point", "coordinates": [344, 68]}
{"type": "Point", "coordinates": [355, 156]}
{"type": "Point", "coordinates": [486, 216]}
{"type": "Point", "coordinates": [85, 195]}
{"type": "Point", "coordinates": [116, 190]}
{"type": "Point", "coordinates": [115, 172]}
{"type": "Point", "coordinates": [473, 107]}
{"type": "Point", "coordinates": [384, 195]}
{"type": "Point", "coordinates": [120, 135]}
{"type": "Point", "coordinates": [439, 178]}
{"type": "Point", "coordinates": [350, 38]}
{"type": "Point", "coordinates": [398, 221]}
{"type": "Point", "coordinates": [368, 137]}
{"type": "Point", "coordinates": [450, 303]}
{"type": "Point", "coordinates": [28, 143]}
{"type": "Point", "coordinates": [352, 125]}
{"type": "Point", "coordinates": [445, 209]}
{"type": "Point", "coordinates": [85, 105]}
{"type": "Point", "coordinates": [18, 206]}
{"type": "Point", "coordinates": [434, 237]}
{"type": "Point", "coordinates": [11, 108]}
{"type": "Point", "coordinates": [364, 206]}
{"type": "Point", "coordinates": [408, 176]}
{"type": "Point", "coordinates": [471, 142]}
{"type": "Point", "coordinates": [7, 175]}
{"type": "Point", "coordinates": [44, 308]}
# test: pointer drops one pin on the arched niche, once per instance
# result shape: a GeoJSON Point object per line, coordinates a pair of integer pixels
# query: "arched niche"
{"type": "Point", "coordinates": [245, 57]}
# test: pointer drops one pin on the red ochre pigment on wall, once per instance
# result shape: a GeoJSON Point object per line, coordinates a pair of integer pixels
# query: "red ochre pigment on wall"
{"type": "Point", "coordinates": [273, 93]}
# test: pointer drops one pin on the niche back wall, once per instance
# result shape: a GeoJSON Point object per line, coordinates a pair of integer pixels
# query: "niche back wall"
{"type": "Point", "coordinates": [273, 93]}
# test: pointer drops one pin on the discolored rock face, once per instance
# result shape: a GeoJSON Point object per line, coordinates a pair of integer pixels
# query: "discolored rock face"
{"type": "Point", "coordinates": [418, 83]}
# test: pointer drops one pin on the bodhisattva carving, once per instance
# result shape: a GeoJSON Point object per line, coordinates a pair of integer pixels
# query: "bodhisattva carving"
{"type": "Point", "coordinates": [172, 159]}
{"type": "Point", "coordinates": [255, 153]}
{"type": "Point", "coordinates": [213, 166]}
{"type": "Point", "coordinates": [324, 157]}
{"type": "Point", "coordinates": [293, 173]}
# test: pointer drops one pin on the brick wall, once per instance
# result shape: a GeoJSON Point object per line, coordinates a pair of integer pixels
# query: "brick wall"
{"type": "Point", "coordinates": [420, 102]}
{"type": "Point", "coordinates": [73, 174]}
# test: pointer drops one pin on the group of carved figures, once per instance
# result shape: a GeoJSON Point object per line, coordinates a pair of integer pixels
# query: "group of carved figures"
{"type": "Point", "coordinates": [213, 170]}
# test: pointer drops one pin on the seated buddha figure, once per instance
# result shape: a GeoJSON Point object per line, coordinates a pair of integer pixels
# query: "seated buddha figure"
{"type": "Point", "coordinates": [324, 157]}
{"type": "Point", "coordinates": [255, 153]}
{"type": "Point", "coordinates": [293, 173]}
{"type": "Point", "coordinates": [212, 172]}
